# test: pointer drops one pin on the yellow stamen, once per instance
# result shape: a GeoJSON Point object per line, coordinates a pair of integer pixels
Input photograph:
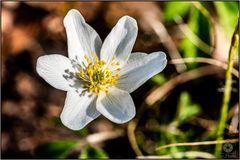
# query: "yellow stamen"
{"type": "Point", "coordinates": [98, 77]}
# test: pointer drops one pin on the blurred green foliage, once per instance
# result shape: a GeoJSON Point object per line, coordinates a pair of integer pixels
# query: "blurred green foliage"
{"type": "Point", "coordinates": [172, 132]}
{"type": "Point", "coordinates": [61, 149]}
{"type": "Point", "coordinates": [55, 149]}
{"type": "Point", "coordinates": [197, 22]}
{"type": "Point", "coordinates": [174, 9]}
{"type": "Point", "coordinates": [82, 133]}
{"type": "Point", "coordinates": [227, 13]}
{"type": "Point", "coordinates": [91, 152]}
{"type": "Point", "coordinates": [158, 79]}
{"type": "Point", "coordinates": [199, 25]}
{"type": "Point", "coordinates": [188, 48]}
{"type": "Point", "coordinates": [186, 109]}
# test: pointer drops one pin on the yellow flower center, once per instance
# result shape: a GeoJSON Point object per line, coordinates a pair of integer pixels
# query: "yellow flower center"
{"type": "Point", "coordinates": [97, 76]}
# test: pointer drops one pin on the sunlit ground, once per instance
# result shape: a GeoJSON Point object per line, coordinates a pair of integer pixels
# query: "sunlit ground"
{"type": "Point", "coordinates": [177, 107]}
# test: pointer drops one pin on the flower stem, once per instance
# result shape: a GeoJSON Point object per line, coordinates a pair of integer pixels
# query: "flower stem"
{"type": "Point", "coordinates": [227, 91]}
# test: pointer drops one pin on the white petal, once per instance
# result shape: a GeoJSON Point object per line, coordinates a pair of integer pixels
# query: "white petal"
{"type": "Point", "coordinates": [139, 68]}
{"type": "Point", "coordinates": [117, 105]}
{"type": "Point", "coordinates": [58, 71]}
{"type": "Point", "coordinates": [82, 38]}
{"type": "Point", "coordinates": [78, 110]}
{"type": "Point", "coordinates": [120, 41]}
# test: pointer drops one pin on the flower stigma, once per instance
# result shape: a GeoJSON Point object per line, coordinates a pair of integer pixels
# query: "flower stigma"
{"type": "Point", "coordinates": [97, 76]}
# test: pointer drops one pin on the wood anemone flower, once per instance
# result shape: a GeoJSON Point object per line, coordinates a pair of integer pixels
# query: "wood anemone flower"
{"type": "Point", "coordinates": [98, 77]}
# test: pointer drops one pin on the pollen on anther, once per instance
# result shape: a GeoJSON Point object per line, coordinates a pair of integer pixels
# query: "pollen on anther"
{"type": "Point", "coordinates": [97, 76]}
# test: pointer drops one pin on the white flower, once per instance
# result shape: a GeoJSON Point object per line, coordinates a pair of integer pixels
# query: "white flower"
{"type": "Point", "coordinates": [98, 77]}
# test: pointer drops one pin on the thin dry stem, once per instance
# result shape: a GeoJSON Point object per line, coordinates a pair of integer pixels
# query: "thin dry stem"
{"type": "Point", "coordinates": [132, 138]}
{"type": "Point", "coordinates": [233, 115]}
{"type": "Point", "coordinates": [204, 60]}
{"type": "Point", "coordinates": [163, 90]}
{"type": "Point", "coordinates": [158, 93]}
{"type": "Point", "coordinates": [190, 154]}
{"type": "Point", "coordinates": [103, 136]}
{"type": "Point", "coordinates": [233, 128]}
{"type": "Point", "coordinates": [205, 12]}
{"type": "Point", "coordinates": [192, 36]}
{"type": "Point", "coordinates": [96, 138]}
{"type": "Point", "coordinates": [205, 123]}
{"type": "Point", "coordinates": [167, 41]}
{"type": "Point", "coordinates": [198, 143]}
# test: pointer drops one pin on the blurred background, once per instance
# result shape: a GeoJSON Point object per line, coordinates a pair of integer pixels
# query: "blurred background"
{"type": "Point", "coordinates": [181, 104]}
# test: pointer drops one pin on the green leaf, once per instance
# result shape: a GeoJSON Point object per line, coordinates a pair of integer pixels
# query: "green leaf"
{"type": "Point", "coordinates": [92, 152]}
{"type": "Point", "coordinates": [82, 132]}
{"type": "Point", "coordinates": [187, 47]}
{"type": "Point", "coordinates": [56, 121]}
{"type": "Point", "coordinates": [173, 9]}
{"type": "Point", "coordinates": [200, 26]}
{"type": "Point", "coordinates": [159, 79]}
{"type": "Point", "coordinates": [55, 149]}
{"type": "Point", "coordinates": [186, 109]}
{"type": "Point", "coordinates": [228, 13]}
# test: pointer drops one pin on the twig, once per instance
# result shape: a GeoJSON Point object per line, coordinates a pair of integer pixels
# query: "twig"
{"type": "Point", "coordinates": [211, 124]}
{"type": "Point", "coordinates": [192, 36]}
{"type": "Point", "coordinates": [233, 128]}
{"type": "Point", "coordinates": [233, 115]}
{"type": "Point", "coordinates": [205, 12]}
{"type": "Point", "coordinates": [190, 154]}
{"type": "Point", "coordinates": [198, 143]}
{"type": "Point", "coordinates": [131, 130]}
{"type": "Point", "coordinates": [205, 123]}
{"type": "Point", "coordinates": [167, 41]}
{"type": "Point", "coordinates": [233, 111]}
{"type": "Point", "coordinates": [204, 60]}
{"type": "Point", "coordinates": [159, 93]}
{"type": "Point", "coordinates": [132, 138]}
{"type": "Point", "coordinates": [103, 136]}
{"type": "Point", "coordinates": [227, 90]}
{"type": "Point", "coordinates": [96, 138]}
{"type": "Point", "coordinates": [163, 90]}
